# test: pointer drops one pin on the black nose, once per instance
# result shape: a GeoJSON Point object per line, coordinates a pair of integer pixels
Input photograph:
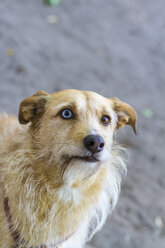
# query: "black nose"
{"type": "Point", "coordinates": [94, 143]}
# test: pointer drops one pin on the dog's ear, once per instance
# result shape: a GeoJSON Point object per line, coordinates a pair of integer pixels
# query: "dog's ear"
{"type": "Point", "coordinates": [125, 113]}
{"type": "Point", "coordinates": [32, 106]}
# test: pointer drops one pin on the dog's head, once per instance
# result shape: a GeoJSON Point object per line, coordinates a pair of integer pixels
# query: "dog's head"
{"type": "Point", "coordinates": [73, 127]}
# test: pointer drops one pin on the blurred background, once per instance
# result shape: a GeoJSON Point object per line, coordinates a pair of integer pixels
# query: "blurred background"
{"type": "Point", "coordinates": [113, 47]}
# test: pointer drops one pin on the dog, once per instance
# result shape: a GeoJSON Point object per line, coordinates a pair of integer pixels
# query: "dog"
{"type": "Point", "coordinates": [60, 170]}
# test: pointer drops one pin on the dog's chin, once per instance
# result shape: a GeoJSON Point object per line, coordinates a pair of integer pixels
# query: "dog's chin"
{"type": "Point", "coordinates": [80, 166]}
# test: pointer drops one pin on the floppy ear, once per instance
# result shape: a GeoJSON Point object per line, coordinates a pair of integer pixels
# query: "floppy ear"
{"type": "Point", "coordinates": [32, 106]}
{"type": "Point", "coordinates": [125, 113]}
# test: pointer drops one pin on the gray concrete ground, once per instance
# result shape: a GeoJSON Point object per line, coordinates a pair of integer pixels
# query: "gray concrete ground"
{"type": "Point", "coordinates": [113, 47]}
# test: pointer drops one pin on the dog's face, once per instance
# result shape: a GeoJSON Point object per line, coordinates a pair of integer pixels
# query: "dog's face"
{"type": "Point", "coordinates": [73, 128]}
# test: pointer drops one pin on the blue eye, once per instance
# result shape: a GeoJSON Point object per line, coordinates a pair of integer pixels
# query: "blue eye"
{"type": "Point", "coordinates": [67, 114]}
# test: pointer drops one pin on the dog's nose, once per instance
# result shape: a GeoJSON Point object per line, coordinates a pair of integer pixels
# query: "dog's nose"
{"type": "Point", "coordinates": [94, 143]}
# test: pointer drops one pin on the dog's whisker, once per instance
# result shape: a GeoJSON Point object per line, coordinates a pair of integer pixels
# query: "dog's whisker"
{"type": "Point", "coordinates": [62, 143]}
{"type": "Point", "coordinates": [64, 166]}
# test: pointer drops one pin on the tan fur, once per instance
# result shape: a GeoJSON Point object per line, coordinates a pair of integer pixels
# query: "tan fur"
{"type": "Point", "coordinates": [50, 197]}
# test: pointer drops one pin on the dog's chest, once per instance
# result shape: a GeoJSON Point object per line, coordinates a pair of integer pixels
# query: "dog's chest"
{"type": "Point", "coordinates": [58, 216]}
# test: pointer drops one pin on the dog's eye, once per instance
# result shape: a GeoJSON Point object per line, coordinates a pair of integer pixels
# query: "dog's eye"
{"type": "Point", "coordinates": [67, 114]}
{"type": "Point", "coordinates": [105, 120]}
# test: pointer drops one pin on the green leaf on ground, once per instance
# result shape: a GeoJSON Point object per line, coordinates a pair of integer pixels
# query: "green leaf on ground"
{"type": "Point", "coordinates": [147, 113]}
{"type": "Point", "coordinates": [52, 2]}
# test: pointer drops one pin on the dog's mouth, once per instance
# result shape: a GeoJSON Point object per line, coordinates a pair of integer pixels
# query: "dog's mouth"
{"type": "Point", "coordinates": [89, 159]}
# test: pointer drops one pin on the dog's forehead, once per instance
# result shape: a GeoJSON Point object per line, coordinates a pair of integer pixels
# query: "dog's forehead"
{"type": "Point", "coordinates": [82, 99]}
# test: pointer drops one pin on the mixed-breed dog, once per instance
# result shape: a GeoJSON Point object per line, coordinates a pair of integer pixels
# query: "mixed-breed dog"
{"type": "Point", "coordinates": [60, 175]}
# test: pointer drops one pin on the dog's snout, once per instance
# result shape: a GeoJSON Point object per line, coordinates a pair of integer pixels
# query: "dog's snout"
{"type": "Point", "coordinates": [94, 143]}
